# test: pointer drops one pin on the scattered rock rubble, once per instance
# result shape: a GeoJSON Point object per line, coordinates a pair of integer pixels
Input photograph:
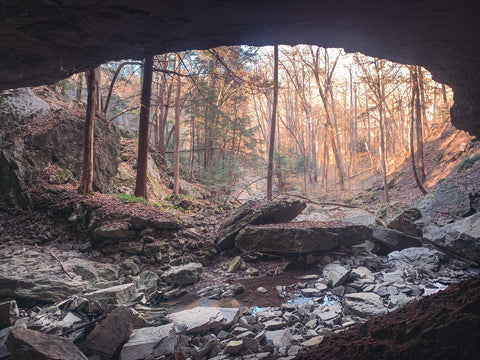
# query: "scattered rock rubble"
{"type": "Point", "coordinates": [128, 321]}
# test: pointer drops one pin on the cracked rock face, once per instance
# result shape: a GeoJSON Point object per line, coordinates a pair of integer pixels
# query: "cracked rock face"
{"type": "Point", "coordinates": [44, 41]}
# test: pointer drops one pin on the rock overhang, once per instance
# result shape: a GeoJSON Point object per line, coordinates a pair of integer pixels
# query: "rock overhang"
{"type": "Point", "coordinates": [44, 41]}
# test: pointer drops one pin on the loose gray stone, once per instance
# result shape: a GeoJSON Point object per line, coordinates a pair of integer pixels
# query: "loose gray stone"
{"type": "Point", "coordinates": [415, 258]}
{"type": "Point", "coordinates": [142, 341]}
{"type": "Point", "coordinates": [112, 332]}
{"type": "Point", "coordinates": [205, 318]}
{"type": "Point", "coordinates": [183, 274]}
{"type": "Point", "coordinates": [233, 347]}
{"type": "Point", "coordinates": [405, 222]}
{"type": "Point", "coordinates": [336, 273]}
{"type": "Point", "coordinates": [114, 295]}
{"type": "Point", "coordinates": [364, 304]}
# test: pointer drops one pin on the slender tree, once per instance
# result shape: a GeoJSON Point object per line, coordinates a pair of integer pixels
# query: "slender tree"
{"type": "Point", "coordinates": [93, 87]}
{"type": "Point", "coordinates": [271, 148]}
{"type": "Point", "coordinates": [414, 109]}
{"type": "Point", "coordinates": [419, 123]}
{"type": "Point", "coordinates": [176, 153]}
{"type": "Point", "coordinates": [143, 139]}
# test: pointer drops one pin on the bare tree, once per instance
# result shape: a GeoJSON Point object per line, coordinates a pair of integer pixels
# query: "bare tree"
{"type": "Point", "coordinates": [143, 139]}
{"type": "Point", "coordinates": [93, 86]}
{"type": "Point", "coordinates": [271, 148]}
{"type": "Point", "coordinates": [176, 153]}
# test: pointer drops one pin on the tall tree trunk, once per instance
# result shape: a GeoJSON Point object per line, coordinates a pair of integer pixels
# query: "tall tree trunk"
{"type": "Point", "coordinates": [162, 122]}
{"type": "Point", "coordinates": [419, 128]}
{"type": "Point", "coordinates": [176, 152]}
{"type": "Point", "coordinates": [412, 149]}
{"type": "Point", "coordinates": [143, 139]}
{"type": "Point", "coordinates": [271, 148]}
{"type": "Point", "coordinates": [93, 86]}
{"type": "Point", "coordinates": [421, 89]}
{"type": "Point", "coordinates": [383, 155]}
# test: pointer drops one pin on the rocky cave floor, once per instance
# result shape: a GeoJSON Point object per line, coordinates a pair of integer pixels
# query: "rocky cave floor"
{"type": "Point", "coordinates": [164, 291]}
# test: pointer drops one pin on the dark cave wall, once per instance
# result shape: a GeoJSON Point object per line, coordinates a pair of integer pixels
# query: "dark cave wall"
{"type": "Point", "coordinates": [47, 40]}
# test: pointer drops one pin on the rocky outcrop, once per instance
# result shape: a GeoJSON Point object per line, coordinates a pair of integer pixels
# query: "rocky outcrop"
{"type": "Point", "coordinates": [35, 275]}
{"type": "Point", "coordinates": [301, 238]}
{"type": "Point", "coordinates": [405, 222]}
{"type": "Point", "coordinates": [24, 159]}
{"type": "Point", "coordinates": [446, 203]}
{"type": "Point", "coordinates": [461, 237]}
{"type": "Point", "coordinates": [257, 213]}
{"type": "Point", "coordinates": [21, 106]}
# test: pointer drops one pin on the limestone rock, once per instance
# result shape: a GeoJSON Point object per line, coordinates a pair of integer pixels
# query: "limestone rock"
{"type": "Point", "coordinates": [336, 273]}
{"type": "Point", "coordinates": [302, 238]}
{"type": "Point", "coordinates": [143, 341]}
{"type": "Point", "coordinates": [461, 237]}
{"type": "Point", "coordinates": [233, 347]}
{"type": "Point", "coordinates": [114, 295]}
{"type": "Point", "coordinates": [235, 264]}
{"type": "Point", "coordinates": [18, 107]}
{"type": "Point", "coordinates": [364, 304]}
{"type": "Point", "coordinates": [416, 258]}
{"type": "Point", "coordinates": [405, 222]}
{"type": "Point", "coordinates": [36, 275]}
{"type": "Point", "coordinates": [204, 318]}
{"type": "Point", "coordinates": [147, 281]}
{"type": "Point", "coordinates": [112, 332]}
{"type": "Point", "coordinates": [255, 213]}
{"type": "Point", "coordinates": [30, 344]}
{"type": "Point", "coordinates": [183, 274]}
{"type": "Point", "coordinates": [390, 240]}
{"type": "Point", "coordinates": [447, 198]}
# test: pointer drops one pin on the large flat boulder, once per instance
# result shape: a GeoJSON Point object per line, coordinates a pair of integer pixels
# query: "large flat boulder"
{"type": "Point", "coordinates": [257, 213]}
{"type": "Point", "coordinates": [301, 237]}
{"type": "Point", "coordinates": [461, 237]}
{"type": "Point", "coordinates": [36, 275]}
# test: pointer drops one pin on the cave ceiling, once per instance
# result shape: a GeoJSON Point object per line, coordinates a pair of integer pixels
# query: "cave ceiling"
{"type": "Point", "coordinates": [43, 41]}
